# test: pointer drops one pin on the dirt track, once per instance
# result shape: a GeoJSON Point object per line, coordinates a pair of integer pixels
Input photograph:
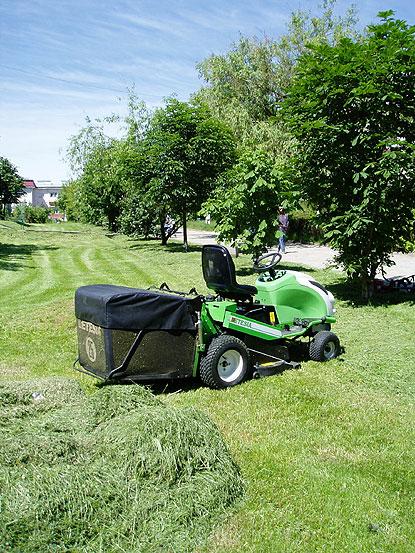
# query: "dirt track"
{"type": "Point", "coordinates": [311, 255]}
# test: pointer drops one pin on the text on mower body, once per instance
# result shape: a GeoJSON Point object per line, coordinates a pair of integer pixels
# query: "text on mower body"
{"type": "Point", "coordinates": [240, 322]}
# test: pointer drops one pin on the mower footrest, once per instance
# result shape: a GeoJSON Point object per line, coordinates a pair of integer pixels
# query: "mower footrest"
{"type": "Point", "coordinates": [269, 369]}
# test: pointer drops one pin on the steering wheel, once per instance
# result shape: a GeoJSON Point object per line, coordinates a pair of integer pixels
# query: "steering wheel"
{"type": "Point", "coordinates": [275, 259]}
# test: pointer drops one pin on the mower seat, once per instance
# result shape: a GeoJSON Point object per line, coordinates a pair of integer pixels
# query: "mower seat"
{"type": "Point", "coordinates": [219, 274]}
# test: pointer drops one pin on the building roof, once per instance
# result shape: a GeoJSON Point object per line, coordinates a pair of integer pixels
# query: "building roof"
{"type": "Point", "coordinates": [29, 184]}
{"type": "Point", "coordinates": [47, 184]}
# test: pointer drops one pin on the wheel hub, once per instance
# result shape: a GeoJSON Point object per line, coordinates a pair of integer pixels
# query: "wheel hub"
{"type": "Point", "coordinates": [230, 365]}
{"type": "Point", "coordinates": [330, 350]}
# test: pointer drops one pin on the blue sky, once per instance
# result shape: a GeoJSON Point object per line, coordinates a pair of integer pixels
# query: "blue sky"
{"type": "Point", "coordinates": [61, 60]}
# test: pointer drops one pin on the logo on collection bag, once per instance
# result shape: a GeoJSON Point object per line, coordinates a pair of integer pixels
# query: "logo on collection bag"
{"type": "Point", "coordinates": [89, 327]}
{"type": "Point", "coordinates": [91, 349]}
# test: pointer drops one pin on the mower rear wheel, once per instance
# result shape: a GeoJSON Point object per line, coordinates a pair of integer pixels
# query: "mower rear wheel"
{"type": "Point", "coordinates": [226, 362]}
{"type": "Point", "coordinates": [324, 346]}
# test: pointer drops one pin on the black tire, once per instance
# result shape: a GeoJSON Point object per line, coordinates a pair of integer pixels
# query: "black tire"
{"type": "Point", "coordinates": [324, 346]}
{"type": "Point", "coordinates": [226, 362]}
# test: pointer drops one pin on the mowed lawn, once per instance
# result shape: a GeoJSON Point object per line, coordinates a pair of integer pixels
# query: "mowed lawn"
{"type": "Point", "coordinates": [327, 452]}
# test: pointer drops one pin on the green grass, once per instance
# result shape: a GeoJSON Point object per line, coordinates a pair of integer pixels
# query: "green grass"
{"type": "Point", "coordinates": [199, 224]}
{"type": "Point", "coordinates": [327, 451]}
{"type": "Point", "coordinates": [117, 470]}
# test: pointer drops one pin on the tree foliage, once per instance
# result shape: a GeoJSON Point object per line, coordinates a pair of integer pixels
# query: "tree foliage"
{"type": "Point", "coordinates": [31, 213]}
{"type": "Point", "coordinates": [245, 86]}
{"type": "Point", "coordinates": [69, 201]}
{"type": "Point", "coordinates": [165, 165]}
{"type": "Point", "coordinates": [245, 204]}
{"type": "Point", "coordinates": [97, 134]}
{"type": "Point", "coordinates": [352, 109]}
{"type": "Point", "coordinates": [183, 153]}
{"type": "Point", "coordinates": [107, 177]}
{"type": "Point", "coordinates": [105, 168]}
{"type": "Point", "coordinates": [11, 185]}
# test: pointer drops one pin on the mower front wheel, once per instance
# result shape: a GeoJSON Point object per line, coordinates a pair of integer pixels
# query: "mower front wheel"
{"type": "Point", "coordinates": [226, 362]}
{"type": "Point", "coordinates": [324, 346]}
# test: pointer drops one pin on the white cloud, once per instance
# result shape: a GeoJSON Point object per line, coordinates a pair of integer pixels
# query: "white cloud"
{"type": "Point", "coordinates": [153, 24]}
{"type": "Point", "coordinates": [31, 91]}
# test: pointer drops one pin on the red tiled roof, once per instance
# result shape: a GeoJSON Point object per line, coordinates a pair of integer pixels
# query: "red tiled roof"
{"type": "Point", "coordinates": [29, 184]}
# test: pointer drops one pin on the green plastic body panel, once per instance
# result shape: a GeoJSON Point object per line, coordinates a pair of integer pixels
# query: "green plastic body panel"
{"type": "Point", "coordinates": [217, 309]}
{"type": "Point", "coordinates": [290, 299]}
{"type": "Point", "coordinates": [208, 329]}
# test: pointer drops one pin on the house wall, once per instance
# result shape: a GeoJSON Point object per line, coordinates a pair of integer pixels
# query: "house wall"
{"type": "Point", "coordinates": [45, 197]}
{"type": "Point", "coordinates": [26, 198]}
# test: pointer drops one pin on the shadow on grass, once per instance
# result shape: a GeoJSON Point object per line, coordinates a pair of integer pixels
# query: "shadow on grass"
{"type": "Point", "coordinates": [54, 231]}
{"type": "Point", "coordinates": [149, 246]}
{"type": "Point", "coordinates": [298, 353]}
{"type": "Point", "coordinates": [175, 386]}
{"type": "Point", "coordinates": [13, 257]}
{"type": "Point", "coordinates": [13, 224]}
{"type": "Point", "coordinates": [300, 268]}
{"type": "Point", "coordinates": [350, 292]}
{"type": "Point", "coordinates": [159, 387]}
{"type": "Point", "coordinates": [190, 384]}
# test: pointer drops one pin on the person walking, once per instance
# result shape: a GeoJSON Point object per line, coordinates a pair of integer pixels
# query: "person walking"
{"type": "Point", "coordinates": [283, 228]}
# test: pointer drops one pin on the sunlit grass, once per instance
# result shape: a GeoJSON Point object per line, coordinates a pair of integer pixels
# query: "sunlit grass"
{"type": "Point", "coordinates": [326, 451]}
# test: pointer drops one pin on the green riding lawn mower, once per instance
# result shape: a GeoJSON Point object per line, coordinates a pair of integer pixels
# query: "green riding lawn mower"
{"type": "Point", "coordinates": [238, 332]}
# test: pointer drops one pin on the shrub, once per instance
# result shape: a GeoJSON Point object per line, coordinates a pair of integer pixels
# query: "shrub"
{"type": "Point", "coordinates": [69, 201]}
{"type": "Point", "coordinates": [303, 228]}
{"type": "Point", "coordinates": [31, 214]}
{"type": "Point", "coordinates": [138, 218]}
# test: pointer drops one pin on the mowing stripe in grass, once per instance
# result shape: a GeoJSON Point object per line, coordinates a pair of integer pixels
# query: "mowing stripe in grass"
{"type": "Point", "coordinates": [17, 267]}
{"type": "Point", "coordinates": [33, 283]}
{"type": "Point", "coordinates": [12, 283]}
{"type": "Point", "coordinates": [68, 269]}
{"type": "Point", "coordinates": [87, 259]}
{"type": "Point", "coordinates": [105, 266]}
{"type": "Point", "coordinates": [327, 451]}
{"type": "Point", "coordinates": [45, 279]}
{"type": "Point", "coordinates": [121, 269]}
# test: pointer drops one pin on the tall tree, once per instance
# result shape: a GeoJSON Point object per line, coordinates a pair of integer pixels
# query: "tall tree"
{"type": "Point", "coordinates": [185, 150]}
{"type": "Point", "coordinates": [105, 168]}
{"type": "Point", "coordinates": [69, 201]}
{"type": "Point", "coordinates": [11, 185]}
{"type": "Point", "coordinates": [107, 177]}
{"type": "Point", "coordinates": [245, 86]}
{"type": "Point", "coordinates": [352, 110]}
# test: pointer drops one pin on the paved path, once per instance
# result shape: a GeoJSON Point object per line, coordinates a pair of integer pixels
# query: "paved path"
{"type": "Point", "coordinates": [311, 255]}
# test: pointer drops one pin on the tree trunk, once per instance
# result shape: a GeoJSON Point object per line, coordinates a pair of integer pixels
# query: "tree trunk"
{"type": "Point", "coordinates": [367, 287]}
{"type": "Point", "coordinates": [185, 244]}
{"type": "Point", "coordinates": [367, 276]}
{"type": "Point", "coordinates": [112, 220]}
{"type": "Point", "coordinates": [163, 234]}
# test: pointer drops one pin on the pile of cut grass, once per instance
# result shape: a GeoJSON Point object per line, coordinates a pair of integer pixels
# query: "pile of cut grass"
{"type": "Point", "coordinates": [114, 471]}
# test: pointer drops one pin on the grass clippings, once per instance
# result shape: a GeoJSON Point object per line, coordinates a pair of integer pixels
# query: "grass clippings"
{"type": "Point", "coordinates": [115, 471]}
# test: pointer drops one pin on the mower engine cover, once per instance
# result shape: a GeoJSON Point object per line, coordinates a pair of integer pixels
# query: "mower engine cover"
{"type": "Point", "coordinates": [295, 295]}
